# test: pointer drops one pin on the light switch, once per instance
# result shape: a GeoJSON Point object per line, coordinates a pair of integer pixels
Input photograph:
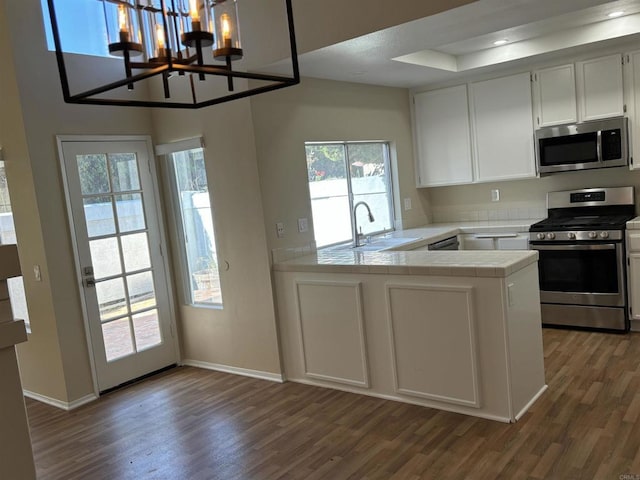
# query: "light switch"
{"type": "Point", "coordinates": [303, 225]}
{"type": "Point", "coordinates": [407, 204]}
{"type": "Point", "coordinates": [495, 195]}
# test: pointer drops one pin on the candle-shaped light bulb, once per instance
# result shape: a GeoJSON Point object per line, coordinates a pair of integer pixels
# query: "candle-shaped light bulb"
{"type": "Point", "coordinates": [193, 10]}
{"type": "Point", "coordinates": [160, 36]}
{"type": "Point", "coordinates": [226, 27]}
{"type": "Point", "coordinates": [122, 19]}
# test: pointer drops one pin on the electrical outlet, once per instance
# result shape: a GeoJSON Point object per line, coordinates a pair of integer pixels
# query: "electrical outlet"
{"type": "Point", "coordinates": [280, 229]}
{"type": "Point", "coordinates": [303, 225]}
{"type": "Point", "coordinates": [495, 195]}
{"type": "Point", "coordinates": [407, 204]}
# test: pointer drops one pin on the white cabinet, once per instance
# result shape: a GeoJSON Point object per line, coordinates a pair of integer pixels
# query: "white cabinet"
{"type": "Point", "coordinates": [600, 88]}
{"type": "Point", "coordinates": [502, 121]}
{"type": "Point", "coordinates": [473, 242]}
{"type": "Point", "coordinates": [442, 135]}
{"type": "Point", "coordinates": [632, 96]}
{"type": "Point", "coordinates": [495, 241]}
{"type": "Point", "coordinates": [554, 93]}
{"type": "Point", "coordinates": [513, 242]}
{"type": "Point", "coordinates": [633, 277]}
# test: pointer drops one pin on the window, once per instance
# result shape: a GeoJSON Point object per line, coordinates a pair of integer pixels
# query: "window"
{"type": "Point", "coordinates": [8, 236]}
{"type": "Point", "coordinates": [196, 234]}
{"type": "Point", "coordinates": [341, 175]}
{"type": "Point", "coordinates": [81, 25]}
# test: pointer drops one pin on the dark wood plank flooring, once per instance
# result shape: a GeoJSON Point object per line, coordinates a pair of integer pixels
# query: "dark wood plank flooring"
{"type": "Point", "coordinates": [194, 424]}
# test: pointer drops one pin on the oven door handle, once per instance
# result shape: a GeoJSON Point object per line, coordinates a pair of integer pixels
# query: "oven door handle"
{"type": "Point", "coordinates": [600, 246]}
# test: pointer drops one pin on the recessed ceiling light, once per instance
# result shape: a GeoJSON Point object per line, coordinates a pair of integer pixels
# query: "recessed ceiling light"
{"type": "Point", "coordinates": [497, 43]}
{"type": "Point", "coordinates": [616, 14]}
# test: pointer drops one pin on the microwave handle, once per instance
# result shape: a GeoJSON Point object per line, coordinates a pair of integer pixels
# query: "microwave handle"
{"type": "Point", "coordinates": [599, 146]}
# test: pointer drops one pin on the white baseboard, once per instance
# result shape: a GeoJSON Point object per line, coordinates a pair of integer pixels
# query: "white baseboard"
{"type": "Point", "coordinates": [635, 325]}
{"type": "Point", "coordinates": [425, 403]}
{"type": "Point", "coordinates": [59, 403]}
{"type": "Point", "coordinates": [530, 403]}
{"type": "Point", "coordinates": [272, 377]}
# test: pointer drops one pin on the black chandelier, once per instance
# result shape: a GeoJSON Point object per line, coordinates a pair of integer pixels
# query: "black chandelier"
{"type": "Point", "coordinates": [194, 40]}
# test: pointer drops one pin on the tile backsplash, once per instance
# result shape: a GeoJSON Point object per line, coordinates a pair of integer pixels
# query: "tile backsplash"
{"type": "Point", "coordinates": [487, 212]}
{"type": "Point", "coordinates": [283, 254]}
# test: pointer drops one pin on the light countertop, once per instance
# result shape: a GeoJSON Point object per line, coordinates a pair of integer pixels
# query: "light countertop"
{"type": "Point", "coordinates": [634, 224]}
{"type": "Point", "coordinates": [395, 260]}
{"type": "Point", "coordinates": [465, 263]}
{"type": "Point", "coordinates": [439, 231]}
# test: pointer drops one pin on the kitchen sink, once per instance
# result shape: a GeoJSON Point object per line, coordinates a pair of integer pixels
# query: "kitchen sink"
{"type": "Point", "coordinates": [376, 244]}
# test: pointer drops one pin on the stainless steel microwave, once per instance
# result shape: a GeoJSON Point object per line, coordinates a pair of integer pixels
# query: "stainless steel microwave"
{"type": "Point", "coordinates": [582, 146]}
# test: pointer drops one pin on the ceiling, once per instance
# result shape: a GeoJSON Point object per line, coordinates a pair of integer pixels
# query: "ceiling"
{"type": "Point", "coordinates": [458, 41]}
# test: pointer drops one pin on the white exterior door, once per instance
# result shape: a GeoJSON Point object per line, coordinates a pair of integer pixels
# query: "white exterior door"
{"type": "Point", "coordinates": [113, 214]}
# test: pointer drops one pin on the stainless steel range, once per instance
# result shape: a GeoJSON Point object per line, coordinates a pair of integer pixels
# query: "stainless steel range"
{"type": "Point", "coordinates": [582, 264]}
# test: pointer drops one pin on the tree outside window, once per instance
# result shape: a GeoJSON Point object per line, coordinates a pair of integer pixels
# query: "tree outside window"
{"type": "Point", "coordinates": [342, 174]}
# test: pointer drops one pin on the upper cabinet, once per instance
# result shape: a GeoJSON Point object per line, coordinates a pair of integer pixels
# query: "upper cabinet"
{"type": "Point", "coordinates": [442, 136]}
{"type": "Point", "coordinates": [632, 96]}
{"type": "Point", "coordinates": [554, 92]}
{"type": "Point", "coordinates": [600, 90]}
{"type": "Point", "coordinates": [502, 122]}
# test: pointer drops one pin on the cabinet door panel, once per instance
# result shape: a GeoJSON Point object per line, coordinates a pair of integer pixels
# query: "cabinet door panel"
{"type": "Point", "coordinates": [555, 90]}
{"type": "Point", "coordinates": [443, 137]}
{"type": "Point", "coordinates": [600, 87]}
{"type": "Point", "coordinates": [634, 285]}
{"type": "Point", "coordinates": [503, 128]}
{"type": "Point", "coordinates": [632, 97]}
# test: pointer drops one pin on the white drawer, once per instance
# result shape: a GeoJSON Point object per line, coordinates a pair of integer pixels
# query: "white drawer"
{"type": "Point", "coordinates": [633, 242]}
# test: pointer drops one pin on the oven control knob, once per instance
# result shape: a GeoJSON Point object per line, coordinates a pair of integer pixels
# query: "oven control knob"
{"type": "Point", "coordinates": [571, 235]}
{"type": "Point", "coordinates": [593, 234]}
{"type": "Point", "coordinates": [551, 235]}
{"type": "Point", "coordinates": [540, 236]}
{"type": "Point", "coordinates": [604, 234]}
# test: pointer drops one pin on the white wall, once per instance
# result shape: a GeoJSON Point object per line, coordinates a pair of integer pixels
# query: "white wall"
{"type": "Point", "coordinates": [324, 110]}
{"type": "Point", "coordinates": [243, 333]}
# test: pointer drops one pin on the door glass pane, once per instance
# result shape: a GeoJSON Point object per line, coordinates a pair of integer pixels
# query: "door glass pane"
{"type": "Point", "coordinates": [130, 212]}
{"type": "Point", "coordinates": [147, 329]}
{"type": "Point", "coordinates": [329, 193]}
{"type": "Point", "coordinates": [111, 299]}
{"type": "Point", "coordinates": [141, 291]}
{"type": "Point", "coordinates": [117, 339]}
{"type": "Point", "coordinates": [124, 172]}
{"type": "Point", "coordinates": [135, 250]}
{"type": "Point", "coordinates": [105, 257]}
{"type": "Point", "coordinates": [98, 213]}
{"type": "Point", "coordinates": [92, 170]}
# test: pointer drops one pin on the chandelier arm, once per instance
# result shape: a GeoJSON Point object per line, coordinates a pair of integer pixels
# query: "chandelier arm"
{"type": "Point", "coordinates": [62, 69]}
{"type": "Point", "coordinates": [292, 42]}
{"type": "Point", "coordinates": [120, 83]}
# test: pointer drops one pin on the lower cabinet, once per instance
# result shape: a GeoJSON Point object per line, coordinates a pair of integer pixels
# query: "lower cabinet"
{"type": "Point", "coordinates": [633, 277]}
{"type": "Point", "coordinates": [495, 241]}
{"type": "Point", "coordinates": [465, 344]}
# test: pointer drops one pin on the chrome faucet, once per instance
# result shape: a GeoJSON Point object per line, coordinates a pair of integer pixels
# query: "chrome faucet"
{"type": "Point", "coordinates": [355, 222]}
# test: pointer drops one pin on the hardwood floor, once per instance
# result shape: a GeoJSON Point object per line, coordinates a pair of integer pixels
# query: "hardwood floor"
{"type": "Point", "coordinates": [195, 424]}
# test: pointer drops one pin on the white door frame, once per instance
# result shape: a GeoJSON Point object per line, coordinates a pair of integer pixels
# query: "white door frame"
{"type": "Point", "coordinates": [162, 236]}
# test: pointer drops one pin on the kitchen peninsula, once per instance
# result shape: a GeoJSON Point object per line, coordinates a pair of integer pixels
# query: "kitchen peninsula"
{"type": "Point", "coordinates": [453, 330]}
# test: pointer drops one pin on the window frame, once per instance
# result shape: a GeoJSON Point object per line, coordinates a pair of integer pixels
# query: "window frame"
{"type": "Point", "coordinates": [388, 185]}
{"type": "Point", "coordinates": [166, 152]}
